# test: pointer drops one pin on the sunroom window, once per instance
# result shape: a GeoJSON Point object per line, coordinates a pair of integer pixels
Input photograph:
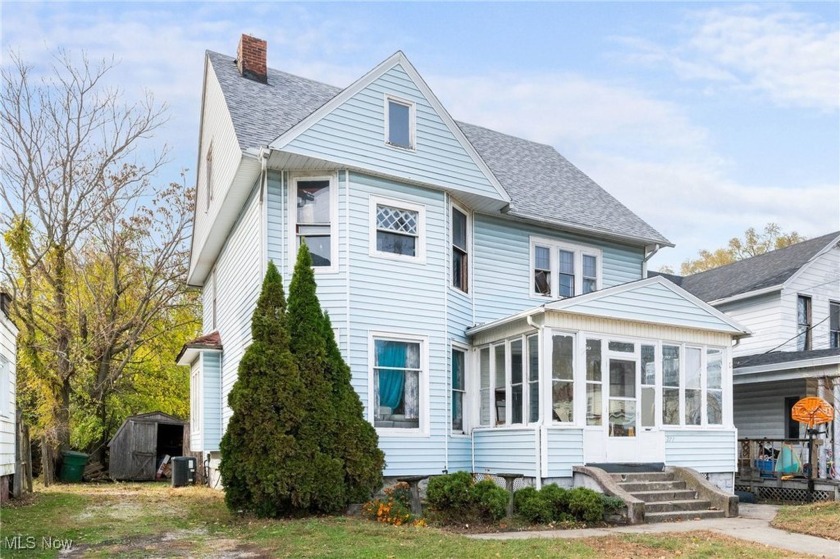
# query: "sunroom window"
{"type": "Point", "coordinates": [594, 384]}
{"type": "Point", "coordinates": [670, 385]}
{"type": "Point", "coordinates": [396, 377]}
{"type": "Point", "coordinates": [562, 378]}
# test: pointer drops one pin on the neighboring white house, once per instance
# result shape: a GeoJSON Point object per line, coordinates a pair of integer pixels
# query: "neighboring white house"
{"type": "Point", "coordinates": [790, 299]}
{"type": "Point", "coordinates": [8, 350]}
{"type": "Point", "coordinates": [489, 297]}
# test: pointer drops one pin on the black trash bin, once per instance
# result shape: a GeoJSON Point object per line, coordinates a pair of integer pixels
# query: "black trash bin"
{"type": "Point", "coordinates": [183, 471]}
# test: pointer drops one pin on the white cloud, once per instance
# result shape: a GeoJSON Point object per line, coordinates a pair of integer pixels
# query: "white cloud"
{"type": "Point", "coordinates": [774, 50]}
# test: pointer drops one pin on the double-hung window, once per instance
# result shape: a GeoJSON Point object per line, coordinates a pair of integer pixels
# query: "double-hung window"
{"type": "Point", "coordinates": [399, 123]}
{"type": "Point", "coordinates": [315, 220]}
{"type": "Point", "coordinates": [397, 377]}
{"type": "Point", "coordinates": [560, 269]}
{"type": "Point", "coordinates": [397, 229]}
{"type": "Point", "coordinates": [833, 324]}
{"type": "Point", "coordinates": [460, 259]}
{"type": "Point", "coordinates": [803, 323]}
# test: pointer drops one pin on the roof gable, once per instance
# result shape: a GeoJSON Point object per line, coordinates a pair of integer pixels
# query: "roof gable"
{"type": "Point", "coordinates": [349, 128]}
{"type": "Point", "coordinates": [653, 300]}
{"type": "Point", "coordinates": [769, 270]}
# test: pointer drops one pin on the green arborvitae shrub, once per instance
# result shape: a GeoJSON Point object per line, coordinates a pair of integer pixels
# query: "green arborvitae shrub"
{"type": "Point", "coordinates": [450, 493]}
{"type": "Point", "coordinates": [532, 505]}
{"type": "Point", "coordinates": [307, 344]}
{"type": "Point", "coordinates": [490, 500]}
{"type": "Point", "coordinates": [350, 460]}
{"type": "Point", "coordinates": [586, 504]}
{"type": "Point", "coordinates": [612, 505]}
{"type": "Point", "coordinates": [558, 498]}
{"type": "Point", "coordinates": [265, 466]}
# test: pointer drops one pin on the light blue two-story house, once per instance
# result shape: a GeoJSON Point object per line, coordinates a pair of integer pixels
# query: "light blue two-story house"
{"type": "Point", "coordinates": [490, 298]}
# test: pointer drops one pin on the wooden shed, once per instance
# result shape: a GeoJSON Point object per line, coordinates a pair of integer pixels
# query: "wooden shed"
{"type": "Point", "coordinates": [141, 443]}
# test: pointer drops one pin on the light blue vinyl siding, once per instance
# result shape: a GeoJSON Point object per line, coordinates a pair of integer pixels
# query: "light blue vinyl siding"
{"type": "Point", "coordinates": [706, 451]}
{"type": "Point", "coordinates": [565, 450]}
{"type": "Point", "coordinates": [239, 277]}
{"type": "Point", "coordinates": [506, 450]}
{"type": "Point", "coordinates": [502, 265]}
{"type": "Point", "coordinates": [354, 134]}
{"type": "Point", "coordinates": [211, 373]}
{"type": "Point", "coordinates": [393, 296]}
{"type": "Point", "coordinates": [653, 303]}
{"type": "Point", "coordinates": [460, 454]}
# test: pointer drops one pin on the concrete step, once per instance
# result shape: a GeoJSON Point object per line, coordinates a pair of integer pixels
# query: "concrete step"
{"type": "Point", "coordinates": [635, 486]}
{"type": "Point", "coordinates": [682, 515]}
{"type": "Point", "coordinates": [658, 496]}
{"type": "Point", "coordinates": [678, 506]}
{"type": "Point", "coordinates": [643, 476]}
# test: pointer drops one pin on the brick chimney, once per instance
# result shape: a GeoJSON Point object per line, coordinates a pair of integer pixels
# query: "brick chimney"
{"type": "Point", "coordinates": [250, 58]}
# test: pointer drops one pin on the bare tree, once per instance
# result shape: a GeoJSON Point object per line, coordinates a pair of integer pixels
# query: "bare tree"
{"type": "Point", "coordinates": [71, 166]}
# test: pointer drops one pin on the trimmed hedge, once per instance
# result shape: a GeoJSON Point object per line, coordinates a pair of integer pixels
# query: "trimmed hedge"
{"type": "Point", "coordinates": [556, 504]}
{"type": "Point", "coordinates": [458, 496]}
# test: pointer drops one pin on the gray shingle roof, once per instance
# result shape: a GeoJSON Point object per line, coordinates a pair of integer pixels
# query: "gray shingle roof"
{"type": "Point", "coordinates": [775, 357]}
{"type": "Point", "coordinates": [541, 183]}
{"type": "Point", "coordinates": [766, 270]}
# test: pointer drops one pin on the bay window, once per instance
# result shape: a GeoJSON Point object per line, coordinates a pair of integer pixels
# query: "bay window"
{"type": "Point", "coordinates": [397, 229]}
{"type": "Point", "coordinates": [397, 374]}
{"type": "Point", "coordinates": [315, 200]}
{"type": "Point", "coordinates": [458, 390]}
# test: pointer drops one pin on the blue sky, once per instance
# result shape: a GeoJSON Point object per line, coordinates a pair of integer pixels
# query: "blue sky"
{"type": "Point", "coordinates": [703, 118]}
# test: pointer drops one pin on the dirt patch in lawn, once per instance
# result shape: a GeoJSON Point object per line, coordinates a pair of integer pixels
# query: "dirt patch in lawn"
{"type": "Point", "coordinates": [177, 543]}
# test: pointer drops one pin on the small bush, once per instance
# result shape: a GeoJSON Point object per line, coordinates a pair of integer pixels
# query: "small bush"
{"type": "Point", "coordinates": [450, 493]}
{"type": "Point", "coordinates": [394, 509]}
{"type": "Point", "coordinates": [490, 500]}
{"type": "Point", "coordinates": [586, 504]}
{"type": "Point", "coordinates": [612, 505]}
{"type": "Point", "coordinates": [558, 498]}
{"type": "Point", "coordinates": [532, 505]}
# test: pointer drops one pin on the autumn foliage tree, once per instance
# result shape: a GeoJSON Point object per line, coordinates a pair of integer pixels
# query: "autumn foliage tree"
{"type": "Point", "coordinates": [753, 243]}
{"type": "Point", "coordinates": [93, 250]}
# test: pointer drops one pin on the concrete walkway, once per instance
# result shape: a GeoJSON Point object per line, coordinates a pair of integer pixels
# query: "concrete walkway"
{"type": "Point", "coordinates": [753, 524]}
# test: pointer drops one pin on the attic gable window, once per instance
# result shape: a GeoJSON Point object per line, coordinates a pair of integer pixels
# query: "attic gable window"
{"type": "Point", "coordinates": [399, 123]}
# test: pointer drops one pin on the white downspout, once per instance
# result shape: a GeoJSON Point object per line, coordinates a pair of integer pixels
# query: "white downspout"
{"type": "Point", "coordinates": [836, 424]}
{"type": "Point", "coordinates": [538, 428]}
{"type": "Point", "coordinates": [263, 156]}
{"type": "Point", "coordinates": [648, 256]}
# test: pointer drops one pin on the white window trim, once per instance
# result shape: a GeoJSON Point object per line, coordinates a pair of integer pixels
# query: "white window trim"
{"type": "Point", "coordinates": [425, 408]}
{"type": "Point", "coordinates": [412, 122]}
{"type": "Point", "coordinates": [420, 257]}
{"type": "Point", "coordinates": [468, 225]}
{"type": "Point", "coordinates": [292, 205]}
{"type": "Point", "coordinates": [467, 401]}
{"type": "Point", "coordinates": [578, 250]}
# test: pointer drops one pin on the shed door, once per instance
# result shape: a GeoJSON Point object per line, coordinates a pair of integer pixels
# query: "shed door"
{"type": "Point", "coordinates": [143, 450]}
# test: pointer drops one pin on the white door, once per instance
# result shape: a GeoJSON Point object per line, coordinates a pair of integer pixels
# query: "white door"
{"type": "Point", "coordinates": [622, 418]}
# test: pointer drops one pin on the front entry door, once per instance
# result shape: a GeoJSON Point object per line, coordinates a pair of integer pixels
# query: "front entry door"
{"type": "Point", "coordinates": [622, 423]}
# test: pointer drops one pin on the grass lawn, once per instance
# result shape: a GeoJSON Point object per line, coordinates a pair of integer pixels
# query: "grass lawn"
{"type": "Point", "coordinates": [817, 519]}
{"type": "Point", "coordinates": [152, 519]}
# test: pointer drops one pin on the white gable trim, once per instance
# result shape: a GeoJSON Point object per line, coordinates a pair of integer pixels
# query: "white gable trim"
{"type": "Point", "coordinates": [396, 59]}
{"type": "Point", "coordinates": [828, 248]}
{"type": "Point", "coordinates": [570, 303]}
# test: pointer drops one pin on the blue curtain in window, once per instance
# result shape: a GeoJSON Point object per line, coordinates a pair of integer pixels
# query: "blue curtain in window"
{"type": "Point", "coordinates": [391, 383]}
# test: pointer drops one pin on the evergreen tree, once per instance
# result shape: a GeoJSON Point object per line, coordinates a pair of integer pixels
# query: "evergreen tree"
{"type": "Point", "coordinates": [350, 462]}
{"type": "Point", "coordinates": [266, 467]}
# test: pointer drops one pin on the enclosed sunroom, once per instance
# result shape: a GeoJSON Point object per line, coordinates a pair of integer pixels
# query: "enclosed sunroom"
{"type": "Point", "coordinates": [638, 373]}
